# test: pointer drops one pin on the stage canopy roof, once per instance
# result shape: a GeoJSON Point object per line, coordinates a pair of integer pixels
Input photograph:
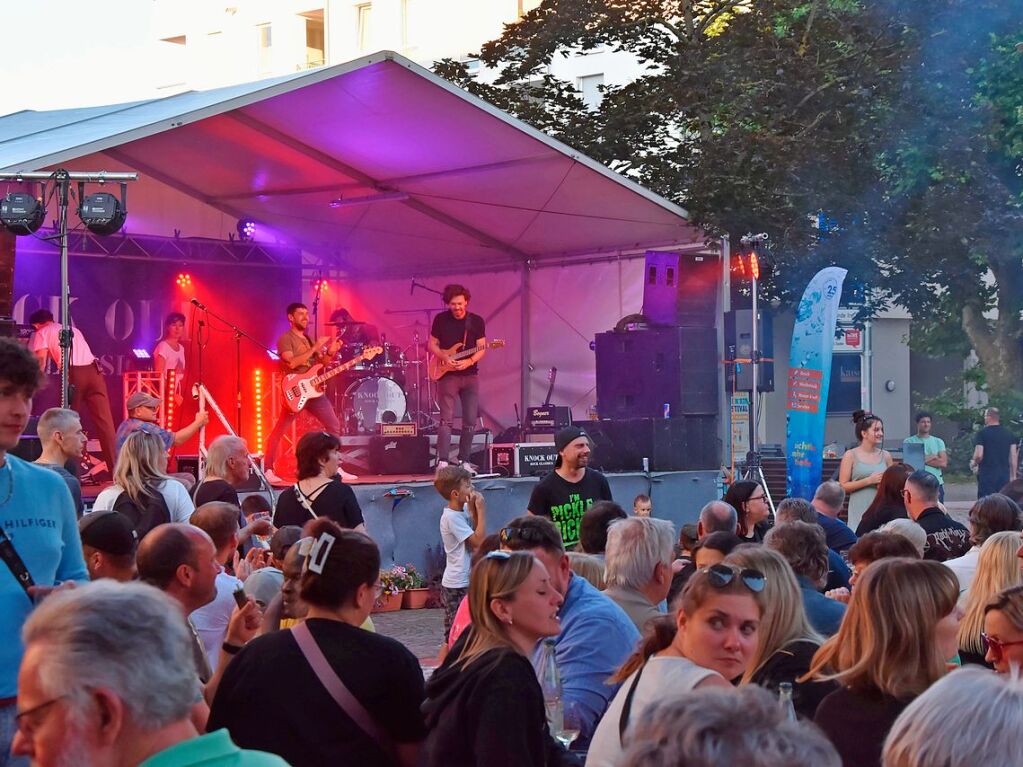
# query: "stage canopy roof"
{"type": "Point", "coordinates": [429, 177]}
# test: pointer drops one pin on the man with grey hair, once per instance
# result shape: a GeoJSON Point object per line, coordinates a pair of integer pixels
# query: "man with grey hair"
{"type": "Point", "coordinates": [800, 510]}
{"type": "Point", "coordinates": [717, 516]}
{"type": "Point", "coordinates": [699, 729]}
{"type": "Point", "coordinates": [637, 566]}
{"type": "Point", "coordinates": [62, 439]}
{"type": "Point", "coordinates": [107, 679]}
{"type": "Point", "coordinates": [994, 454]}
{"type": "Point", "coordinates": [828, 502]}
{"type": "Point", "coordinates": [227, 466]}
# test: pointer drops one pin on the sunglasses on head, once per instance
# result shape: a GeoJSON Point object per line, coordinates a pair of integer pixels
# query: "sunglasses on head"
{"type": "Point", "coordinates": [527, 534]}
{"type": "Point", "coordinates": [502, 556]}
{"type": "Point", "coordinates": [994, 645]}
{"type": "Point", "coordinates": [721, 575]}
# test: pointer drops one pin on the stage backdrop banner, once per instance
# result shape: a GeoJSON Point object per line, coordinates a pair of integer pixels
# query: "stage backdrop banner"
{"type": "Point", "coordinates": [120, 305]}
{"type": "Point", "coordinates": [813, 339]}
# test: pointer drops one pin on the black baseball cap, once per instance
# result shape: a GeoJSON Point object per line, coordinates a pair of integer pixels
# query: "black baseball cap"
{"type": "Point", "coordinates": [284, 539]}
{"type": "Point", "coordinates": [108, 531]}
{"type": "Point", "coordinates": [566, 437]}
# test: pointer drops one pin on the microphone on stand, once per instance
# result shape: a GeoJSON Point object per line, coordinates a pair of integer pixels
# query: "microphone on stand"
{"type": "Point", "coordinates": [198, 303]}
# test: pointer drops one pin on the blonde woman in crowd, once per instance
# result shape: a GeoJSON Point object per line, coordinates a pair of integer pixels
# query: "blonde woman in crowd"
{"type": "Point", "coordinates": [1003, 631]}
{"type": "Point", "coordinates": [998, 568]}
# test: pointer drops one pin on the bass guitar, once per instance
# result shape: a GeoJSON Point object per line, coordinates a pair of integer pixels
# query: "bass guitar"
{"type": "Point", "coordinates": [439, 367]}
{"type": "Point", "coordinates": [299, 388]}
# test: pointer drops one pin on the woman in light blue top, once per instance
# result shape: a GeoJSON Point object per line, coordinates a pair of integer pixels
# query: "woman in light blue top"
{"type": "Point", "coordinates": [862, 467]}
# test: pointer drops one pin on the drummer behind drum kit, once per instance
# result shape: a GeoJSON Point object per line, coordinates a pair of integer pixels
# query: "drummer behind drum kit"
{"type": "Point", "coordinates": [373, 391]}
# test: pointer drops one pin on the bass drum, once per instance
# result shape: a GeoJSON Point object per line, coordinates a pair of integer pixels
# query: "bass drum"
{"type": "Point", "coordinates": [371, 401]}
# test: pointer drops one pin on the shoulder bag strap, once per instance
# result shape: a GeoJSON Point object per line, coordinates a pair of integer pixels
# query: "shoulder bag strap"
{"type": "Point", "coordinates": [305, 501]}
{"type": "Point", "coordinates": [15, 563]}
{"type": "Point", "coordinates": [337, 689]}
{"type": "Point", "coordinates": [623, 720]}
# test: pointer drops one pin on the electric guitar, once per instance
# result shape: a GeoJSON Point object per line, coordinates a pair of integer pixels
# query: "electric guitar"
{"type": "Point", "coordinates": [439, 367]}
{"type": "Point", "coordinates": [299, 388]}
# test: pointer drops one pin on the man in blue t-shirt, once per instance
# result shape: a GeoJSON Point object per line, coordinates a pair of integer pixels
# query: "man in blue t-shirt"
{"type": "Point", "coordinates": [828, 502]}
{"type": "Point", "coordinates": [37, 518]}
{"type": "Point", "coordinates": [935, 454]}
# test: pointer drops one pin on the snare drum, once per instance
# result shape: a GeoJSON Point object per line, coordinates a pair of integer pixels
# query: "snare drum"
{"type": "Point", "coordinates": [371, 401]}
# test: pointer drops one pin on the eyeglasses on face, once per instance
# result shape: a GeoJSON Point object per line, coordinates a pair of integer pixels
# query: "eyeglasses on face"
{"type": "Point", "coordinates": [996, 646]}
{"type": "Point", "coordinates": [27, 721]}
{"type": "Point", "coordinates": [721, 575]}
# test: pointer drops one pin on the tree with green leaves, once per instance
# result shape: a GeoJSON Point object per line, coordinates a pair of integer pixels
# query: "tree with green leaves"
{"type": "Point", "coordinates": [901, 122]}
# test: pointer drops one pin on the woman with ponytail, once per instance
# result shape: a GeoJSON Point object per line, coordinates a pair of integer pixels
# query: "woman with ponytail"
{"type": "Point", "coordinates": [862, 467]}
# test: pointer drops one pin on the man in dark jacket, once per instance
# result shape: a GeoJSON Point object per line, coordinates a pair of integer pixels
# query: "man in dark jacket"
{"type": "Point", "coordinates": [946, 538]}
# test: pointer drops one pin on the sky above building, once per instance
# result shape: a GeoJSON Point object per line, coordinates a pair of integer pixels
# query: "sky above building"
{"type": "Point", "coordinates": [69, 53]}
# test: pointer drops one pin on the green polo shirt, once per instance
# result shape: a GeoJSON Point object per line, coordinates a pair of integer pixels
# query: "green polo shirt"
{"type": "Point", "coordinates": [213, 750]}
{"type": "Point", "coordinates": [932, 446]}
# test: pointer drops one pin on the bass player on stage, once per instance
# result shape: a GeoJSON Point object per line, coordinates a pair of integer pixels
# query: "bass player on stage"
{"type": "Point", "coordinates": [298, 353]}
{"type": "Point", "coordinates": [455, 329]}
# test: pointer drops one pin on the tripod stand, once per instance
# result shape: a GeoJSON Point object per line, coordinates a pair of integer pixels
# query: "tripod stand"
{"type": "Point", "coordinates": [206, 401]}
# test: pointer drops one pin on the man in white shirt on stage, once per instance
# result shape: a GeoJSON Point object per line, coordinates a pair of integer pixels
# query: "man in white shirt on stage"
{"type": "Point", "coordinates": [87, 383]}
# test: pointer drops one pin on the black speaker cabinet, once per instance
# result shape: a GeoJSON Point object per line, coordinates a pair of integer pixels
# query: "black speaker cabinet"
{"type": "Point", "coordinates": [399, 455]}
{"type": "Point", "coordinates": [739, 345]}
{"type": "Point", "coordinates": [641, 371]}
{"type": "Point", "coordinates": [684, 443]}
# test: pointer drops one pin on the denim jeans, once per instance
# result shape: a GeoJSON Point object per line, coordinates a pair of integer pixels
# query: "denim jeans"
{"type": "Point", "coordinates": [467, 389]}
{"type": "Point", "coordinates": [323, 411]}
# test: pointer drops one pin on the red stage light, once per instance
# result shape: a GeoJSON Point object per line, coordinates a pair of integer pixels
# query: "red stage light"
{"type": "Point", "coordinates": [184, 280]}
{"type": "Point", "coordinates": [257, 385]}
{"type": "Point", "coordinates": [323, 285]}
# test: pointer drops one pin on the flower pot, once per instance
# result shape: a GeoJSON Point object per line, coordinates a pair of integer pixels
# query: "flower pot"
{"type": "Point", "coordinates": [414, 599]}
{"type": "Point", "coordinates": [388, 603]}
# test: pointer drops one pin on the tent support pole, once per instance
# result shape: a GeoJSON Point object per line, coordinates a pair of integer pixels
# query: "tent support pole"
{"type": "Point", "coordinates": [524, 333]}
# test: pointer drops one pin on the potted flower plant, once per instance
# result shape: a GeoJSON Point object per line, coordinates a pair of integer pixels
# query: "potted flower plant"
{"type": "Point", "coordinates": [416, 593]}
{"type": "Point", "coordinates": [390, 590]}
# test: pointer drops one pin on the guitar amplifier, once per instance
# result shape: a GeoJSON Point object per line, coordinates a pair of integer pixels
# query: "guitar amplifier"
{"type": "Point", "coordinates": [522, 459]}
{"type": "Point", "coordinates": [549, 417]}
{"type": "Point", "coordinates": [408, 429]}
{"type": "Point", "coordinates": [399, 455]}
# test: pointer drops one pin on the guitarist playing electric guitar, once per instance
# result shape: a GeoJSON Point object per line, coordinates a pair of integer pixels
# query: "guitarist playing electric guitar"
{"type": "Point", "coordinates": [457, 327]}
{"type": "Point", "coordinates": [298, 353]}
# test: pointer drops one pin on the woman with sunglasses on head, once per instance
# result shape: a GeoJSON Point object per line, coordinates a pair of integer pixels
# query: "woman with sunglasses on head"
{"type": "Point", "coordinates": [862, 467]}
{"type": "Point", "coordinates": [895, 641]}
{"type": "Point", "coordinates": [787, 642]}
{"type": "Point", "coordinates": [888, 503]}
{"type": "Point", "coordinates": [709, 642]}
{"type": "Point", "coordinates": [749, 500]}
{"type": "Point", "coordinates": [319, 491]}
{"type": "Point", "coordinates": [276, 692]}
{"type": "Point", "coordinates": [998, 568]}
{"type": "Point", "coordinates": [484, 705]}
{"type": "Point", "coordinates": [1003, 631]}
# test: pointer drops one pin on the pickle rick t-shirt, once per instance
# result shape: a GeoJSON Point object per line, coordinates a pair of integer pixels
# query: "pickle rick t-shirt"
{"type": "Point", "coordinates": [564, 502]}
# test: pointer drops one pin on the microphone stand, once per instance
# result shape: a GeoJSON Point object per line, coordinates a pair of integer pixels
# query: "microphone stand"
{"type": "Point", "coordinates": [316, 305]}
{"type": "Point", "coordinates": [238, 335]}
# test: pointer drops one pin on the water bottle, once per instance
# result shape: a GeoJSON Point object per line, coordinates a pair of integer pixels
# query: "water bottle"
{"type": "Point", "coordinates": [550, 682]}
{"type": "Point", "coordinates": [785, 701]}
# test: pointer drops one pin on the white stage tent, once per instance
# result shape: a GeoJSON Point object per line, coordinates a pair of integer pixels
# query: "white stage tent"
{"type": "Point", "coordinates": [434, 184]}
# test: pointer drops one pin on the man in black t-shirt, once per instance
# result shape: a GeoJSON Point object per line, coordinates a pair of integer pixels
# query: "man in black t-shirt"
{"type": "Point", "coordinates": [452, 331]}
{"type": "Point", "coordinates": [994, 457]}
{"type": "Point", "coordinates": [564, 495]}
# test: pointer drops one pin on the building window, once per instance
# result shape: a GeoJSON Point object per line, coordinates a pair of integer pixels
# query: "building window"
{"type": "Point", "coordinates": [362, 15]}
{"type": "Point", "coordinates": [844, 393]}
{"type": "Point", "coordinates": [264, 43]}
{"type": "Point", "coordinates": [589, 89]}
{"type": "Point", "coordinates": [315, 48]}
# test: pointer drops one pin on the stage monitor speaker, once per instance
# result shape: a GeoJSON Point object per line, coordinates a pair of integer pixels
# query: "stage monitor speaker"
{"type": "Point", "coordinates": [640, 372]}
{"type": "Point", "coordinates": [685, 443]}
{"type": "Point", "coordinates": [681, 289]}
{"type": "Point", "coordinates": [399, 455]}
{"type": "Point", "coordinates": [739, 345]}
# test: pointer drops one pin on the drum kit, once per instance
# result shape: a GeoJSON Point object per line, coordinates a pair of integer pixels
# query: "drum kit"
{"type": "Point", "coordinates": [384, 389]}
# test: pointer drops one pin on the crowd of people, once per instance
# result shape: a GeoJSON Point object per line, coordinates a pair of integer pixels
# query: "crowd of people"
{"type": "Point", "coordinates": [174, 626]}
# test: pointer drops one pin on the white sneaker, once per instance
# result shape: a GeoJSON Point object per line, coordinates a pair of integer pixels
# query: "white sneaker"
{"type": "Point", "coordinates": [473, 470]}
{"type": "Point", "coordinates": [442, 465]}
{"type": "Point", "coordinates": [273, 479]}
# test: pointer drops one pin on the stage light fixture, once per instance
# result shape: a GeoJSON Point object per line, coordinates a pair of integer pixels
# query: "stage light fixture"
{"type": "Point", "coordinates": [258, 387]}
{"type": "Point", "coordinates": [273, 355]}
{"type": "Point", "coordinates": [141, 354]}
{"type": "Point", "coordinates": [102, 213]}
{"type": "Point", "coordinates": [22, 213]}
{"type": "Point", "coordinates": [184, 280]}
{"type": "Point", "coordinates": [246, 229]}
{"type": "Point", "coordinates": [324, 286]}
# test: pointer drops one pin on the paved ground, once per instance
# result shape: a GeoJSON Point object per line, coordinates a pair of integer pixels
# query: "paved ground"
{"type": "Point", "coordinates": [419, 630]}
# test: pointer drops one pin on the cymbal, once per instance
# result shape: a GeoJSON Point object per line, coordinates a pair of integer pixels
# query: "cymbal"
{"type": "Point", "coordinates": [346, 324]}
{"type": "Point", "coordinates": [416, 324]}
